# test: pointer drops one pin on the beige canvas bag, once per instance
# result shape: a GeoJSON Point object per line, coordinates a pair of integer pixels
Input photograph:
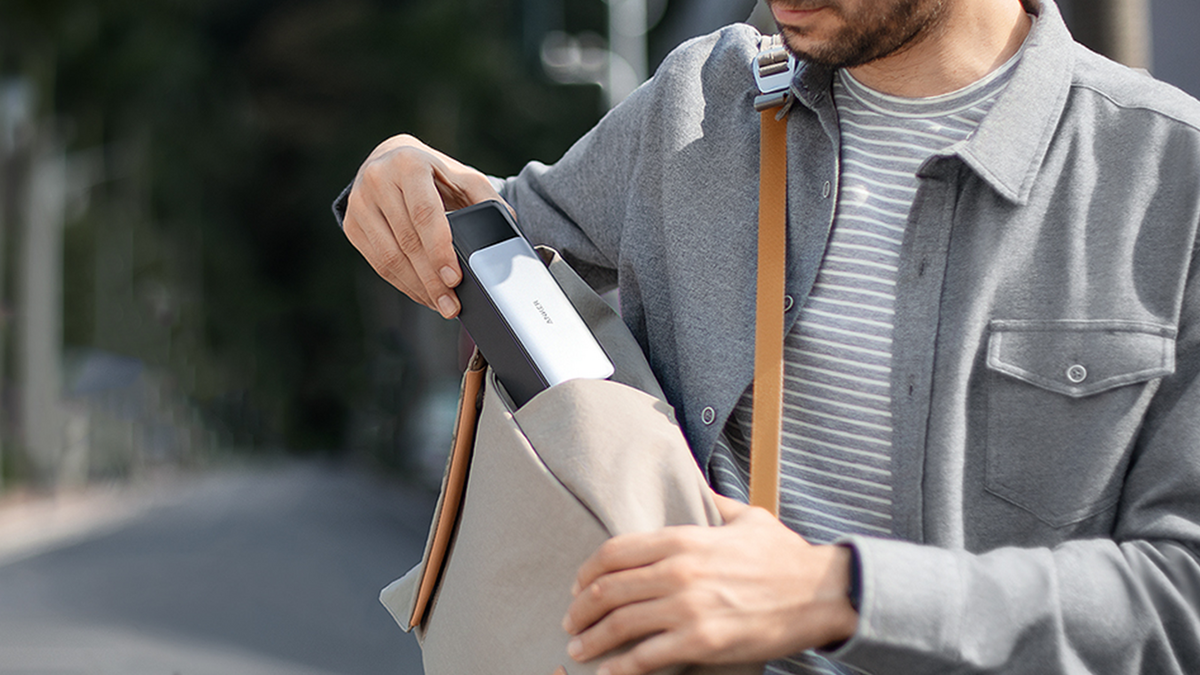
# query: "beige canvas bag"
{"type": "Point", "coordinates": [529, 494]}
{"type": "Point", "coordinates": [535, 494]}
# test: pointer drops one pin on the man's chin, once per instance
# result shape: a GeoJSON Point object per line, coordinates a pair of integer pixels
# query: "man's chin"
{"type": "Point", "coordinates": [801, 44]}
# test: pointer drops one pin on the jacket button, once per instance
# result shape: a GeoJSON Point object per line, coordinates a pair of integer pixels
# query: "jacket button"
{"type": "Point", "coordinates": [708, 415]}
{"type": "Point", "coordinates": [1077, 374]}
{"type": "Point", "coordinates": [788, 302]}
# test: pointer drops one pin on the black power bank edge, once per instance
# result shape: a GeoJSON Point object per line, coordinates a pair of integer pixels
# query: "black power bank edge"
{"type": "Point", "coordinates": [473, 228]}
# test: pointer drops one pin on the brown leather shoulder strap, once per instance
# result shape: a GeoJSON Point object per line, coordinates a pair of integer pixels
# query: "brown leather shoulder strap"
{"type": "Point", "coordinates": [768, 333]}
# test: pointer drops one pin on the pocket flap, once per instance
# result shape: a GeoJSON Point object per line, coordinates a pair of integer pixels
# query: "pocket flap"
{"type": "Point", "coordinates": [1081, 358]}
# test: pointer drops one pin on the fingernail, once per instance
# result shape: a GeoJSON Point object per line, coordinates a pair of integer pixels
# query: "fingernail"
{"type": "Point", "coordinates": [448, 276]}
{"type": "Point", "coordinates": [575, 588]}
{"type": "Point", "coordinates": [603, 671]}
{"type": "Point", "coordinates": [446, 306]}
{"type": "Point", "coordinates": [575, 648]}
{"type": "Point", "coordinates": [566, 624]}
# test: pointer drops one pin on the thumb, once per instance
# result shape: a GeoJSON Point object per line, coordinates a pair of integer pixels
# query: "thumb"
{"type": "Point", "coordinates": [729, 508]}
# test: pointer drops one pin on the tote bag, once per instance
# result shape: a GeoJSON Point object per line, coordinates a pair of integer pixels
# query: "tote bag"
{"type": "Point", "coordinates": [530, 493]}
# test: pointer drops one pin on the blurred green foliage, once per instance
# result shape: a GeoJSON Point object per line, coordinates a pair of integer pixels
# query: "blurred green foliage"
{"type": "Point", "coordinates": [222, 130]}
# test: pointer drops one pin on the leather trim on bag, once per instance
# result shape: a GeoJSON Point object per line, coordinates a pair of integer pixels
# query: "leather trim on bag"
{"type": "Point", "coordinates": [456, 480]}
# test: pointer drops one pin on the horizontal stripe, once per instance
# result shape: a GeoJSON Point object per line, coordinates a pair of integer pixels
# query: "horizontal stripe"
{"type": "Point", "coordinates": [805, 496]}
{"type": "Point", "coordinates": [873, 221]}
{"type": "Point", "coordinates": [886, 429]}
{"type": "Point", "coordinates": [888, 142]}
{"type": "Point", "coordinates": [865, 486]}
{"type": "Point", "coordinates": [849, 233]}
{"type": "Point", "coordinates": [811, 459]}
{"type": "Point", "coordinates": [868, 305]}
{"type": "Point", "coordinates": [858, 335]}
{"type": "Point", "coordinates": [835, 375]}
{"type": "Point", "coordinates": [835, 246]}
{"type": "Point", "coordinates": [847, 448]}
{"type": "Point", "coordinates": [891, 132]}
{"type": "Point", "coordinates": [891, 269]}
{"type": "Point", "coordinates": [839, 522]}
{"type": "Point", "coordinates": [813, 489]}
{"type": "Point", "coordinates": [914, 162]}
{"type": "Point", "coordinates": [811, 340]}
{"type": "Point", "coordinates": [849, 365]}
{"type": "Point", "coordinates": [855, 319]}
{"type": "Point", "coordinates": [841, 403]}
{"type": "Point", "coordinates": [851, 290]}
{"type": "Point", "coordinates": [877, 174]}
{"type": "Point", "coordinates": [849, 393]}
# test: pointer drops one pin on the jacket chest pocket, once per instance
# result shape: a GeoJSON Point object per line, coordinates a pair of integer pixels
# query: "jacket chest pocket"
{"type": "Point", "coordinates": [1065, 400]}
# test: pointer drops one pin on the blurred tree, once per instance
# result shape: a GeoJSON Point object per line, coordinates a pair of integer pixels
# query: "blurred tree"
{"type": "Point", "coordinates": [224, 129]}
{"type": "Point", "coordinates": [1119, 29]}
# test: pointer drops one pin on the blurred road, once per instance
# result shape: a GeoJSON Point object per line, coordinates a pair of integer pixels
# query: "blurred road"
{"type": "Point", "coordinates": [258, 571]}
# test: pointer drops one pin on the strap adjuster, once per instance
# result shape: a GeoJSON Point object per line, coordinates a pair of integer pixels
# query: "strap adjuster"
{"type": "Point", "coordinates": [774, 68]}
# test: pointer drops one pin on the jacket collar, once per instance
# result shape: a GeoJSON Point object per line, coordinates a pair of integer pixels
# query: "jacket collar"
{"type": "Point", "coordinates": [1008, 148]}
{"type": "Point", "coordinates": [1012, 141]}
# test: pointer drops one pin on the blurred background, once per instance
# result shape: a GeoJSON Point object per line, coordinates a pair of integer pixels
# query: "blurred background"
{"type": "Point", "coordinates": [190, 351]}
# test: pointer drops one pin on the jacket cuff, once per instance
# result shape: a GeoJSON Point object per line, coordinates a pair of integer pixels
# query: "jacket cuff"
{"type": "Point", "coordinates": [339, 205]}
{"type": "Point", "coordinates": [908, 610]}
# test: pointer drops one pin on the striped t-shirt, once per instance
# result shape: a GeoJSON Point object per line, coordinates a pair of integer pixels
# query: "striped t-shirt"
{"type": "Point", "coordinates": [835, 460]}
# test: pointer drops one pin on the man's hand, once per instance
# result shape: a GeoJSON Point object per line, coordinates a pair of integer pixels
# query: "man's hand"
{"type": "Point", "coordinates": [749, 591]}
{"type": "Point", "coordinates": [396, 217]}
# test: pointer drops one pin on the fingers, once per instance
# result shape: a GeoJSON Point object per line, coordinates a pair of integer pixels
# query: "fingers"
{"type": "Point", "coordinates": [623, 590]}
{"type": "Point", "coordinates": [614, 590]}
{"type": "Point", "coordinates": [672, 630]}
{"type": "Point", "coordinates": [368, 230]}
{"type": "Point", "coordinates": [396, 218]}
{"type": "Point", "coordinates": [418, 222]}
{"type": "Point", "coordinates": [633, 550]}
{"type": "Point", "coordinates": [460, 185]}
{"type": "Point", "coordinates": [624, 625]}
{"type": "Point", "coordinates": [656, 652]}
{"type": "Point", "coordinates": [729, 508]}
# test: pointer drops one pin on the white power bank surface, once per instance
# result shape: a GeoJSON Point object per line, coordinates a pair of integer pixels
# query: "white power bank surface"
{"type": "Point", "coordinates": [539, 313]}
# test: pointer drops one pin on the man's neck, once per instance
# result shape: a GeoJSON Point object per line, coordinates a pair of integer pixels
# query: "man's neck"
{"type": "Point", "coordinates": [975, 38]}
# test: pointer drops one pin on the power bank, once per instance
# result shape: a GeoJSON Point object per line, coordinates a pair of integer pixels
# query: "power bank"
{"type": "Point", "coordinates": [515, 311]}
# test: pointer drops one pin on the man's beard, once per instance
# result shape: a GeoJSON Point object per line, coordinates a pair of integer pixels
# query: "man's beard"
{"type": "Point", "coordinates": [871, 33]}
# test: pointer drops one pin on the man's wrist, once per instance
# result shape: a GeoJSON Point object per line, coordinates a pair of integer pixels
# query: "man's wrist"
{"type": "Point", "coordinates": [854, 592]}
{"type": "Point", "coordinates": [847, 621]}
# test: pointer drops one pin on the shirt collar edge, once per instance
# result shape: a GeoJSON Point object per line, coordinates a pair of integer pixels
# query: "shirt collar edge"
{"type": "Point", "coordinates": [1008, 148]}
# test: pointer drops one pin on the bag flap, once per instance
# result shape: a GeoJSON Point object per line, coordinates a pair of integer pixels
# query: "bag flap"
{"type": "Point", "coordinates": [621, 453]}
{"type": "Point", "coordinates": [399, 597]}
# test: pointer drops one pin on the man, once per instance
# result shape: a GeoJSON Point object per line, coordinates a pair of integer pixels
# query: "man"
{"type": "Point", "coordinates": [994, 338]}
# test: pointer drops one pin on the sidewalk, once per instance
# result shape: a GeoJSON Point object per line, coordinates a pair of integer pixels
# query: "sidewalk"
{"type": "Point", "coordinates": [252, 571]}
{"type": "Point", "coordinates": [56, 648]}
{"type": "Point", "coordinates": [32, 523]}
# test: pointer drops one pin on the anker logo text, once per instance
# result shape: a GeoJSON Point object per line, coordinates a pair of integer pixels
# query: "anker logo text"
{"type": "Point", "coordinates": [542, 310]}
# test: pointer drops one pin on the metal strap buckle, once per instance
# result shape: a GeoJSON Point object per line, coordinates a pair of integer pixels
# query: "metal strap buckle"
{"type": "Point", "coordinates": [773, 70]}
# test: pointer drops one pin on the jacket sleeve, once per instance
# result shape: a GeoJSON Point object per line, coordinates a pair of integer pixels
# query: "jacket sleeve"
{"type": "Point", "coordinates": [579, 205]}
{"type": "Point", "coordinates": [1125, 604]}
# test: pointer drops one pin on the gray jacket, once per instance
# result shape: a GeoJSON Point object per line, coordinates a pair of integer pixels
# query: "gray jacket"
{"type": "Point", "coordinates": [1047, 341]}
